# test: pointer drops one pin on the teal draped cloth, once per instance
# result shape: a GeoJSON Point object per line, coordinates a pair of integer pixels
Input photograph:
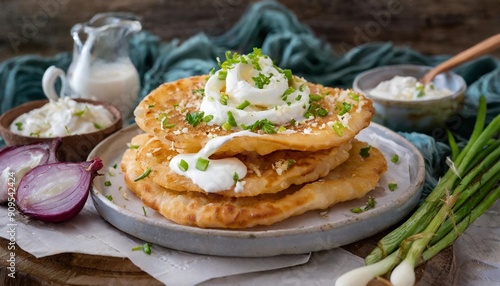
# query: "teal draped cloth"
{"type": "Point", "coordinates": [292, 45]}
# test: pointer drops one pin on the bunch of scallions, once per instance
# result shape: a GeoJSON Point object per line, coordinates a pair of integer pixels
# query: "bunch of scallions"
{"type": "Point", "coordinates": [466, 191]}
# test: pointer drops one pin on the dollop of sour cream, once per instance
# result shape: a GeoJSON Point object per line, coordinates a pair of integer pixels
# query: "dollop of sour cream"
{"type": "Point", "coordinates": [407, 88]}
{"type": "Point", "coordinates": [247, 89]}
{"type": "Point", "coordinates": [220, 174]}
{"type": "Point", "coordinates": [251, 89]}
{"type": "Point", "coordinates": [62, 118]}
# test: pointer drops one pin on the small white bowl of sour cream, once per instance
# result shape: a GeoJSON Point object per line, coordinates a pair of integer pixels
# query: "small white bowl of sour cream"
{"type": "Point", "coordinates": [77, 139]}
{"type": "Point", "coordinates": [403, 104]}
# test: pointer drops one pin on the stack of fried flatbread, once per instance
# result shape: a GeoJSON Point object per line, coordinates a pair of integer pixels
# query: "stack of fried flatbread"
{"type": "Point", "coordinates": [313, 165]}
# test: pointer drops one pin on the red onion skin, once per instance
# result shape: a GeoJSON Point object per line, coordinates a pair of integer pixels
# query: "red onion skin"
{"type": "Point", "coordinates": [62, 207]}
{"type": "Point", "coordinates": [15, 158]}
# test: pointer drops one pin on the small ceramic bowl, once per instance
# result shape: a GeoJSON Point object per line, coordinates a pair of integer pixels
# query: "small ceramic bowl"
{"type": "Point", "coordinates": [423, 115]}
{"type": "Point", "coordinates": [73, 148]}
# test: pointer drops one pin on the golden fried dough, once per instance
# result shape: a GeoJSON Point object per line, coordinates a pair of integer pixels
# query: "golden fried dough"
{"type": "Point", "coordinates": [266, 174]}
{"type": "Point", "coordinates": [175, 99]}
{"type": "Point", "coordinates": [352, 179]}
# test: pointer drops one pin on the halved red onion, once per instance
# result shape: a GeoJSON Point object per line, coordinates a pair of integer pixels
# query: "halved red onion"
{"type": "Point", "coordinates": [56, 192]}
{"type": "Point", "coordinates": [15, 161]}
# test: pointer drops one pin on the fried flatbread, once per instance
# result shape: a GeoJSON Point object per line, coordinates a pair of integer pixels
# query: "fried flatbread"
{"type": "Point", "coordinates": [175, 99]}
{"type": "Point", "coordinates": [352, 179]}
{"type": "Point", "coordinates": [266, 174]}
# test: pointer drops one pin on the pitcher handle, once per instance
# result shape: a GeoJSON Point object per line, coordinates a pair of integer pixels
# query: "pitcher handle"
{"type": "Point", "coordinates": [49, 80]}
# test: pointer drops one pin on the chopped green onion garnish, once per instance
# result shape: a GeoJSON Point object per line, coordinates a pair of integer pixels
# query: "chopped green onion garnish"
{"type": "Point", "coordinates": [97, 125]}
{"type": "Point", "coordinates": [236, 177]}
{"type": "Point", "coordinates": [34, 134]}
{"type": "Point", "coordinates": [338, 128]}
{"type": "Point", "coordinates": [395, 158]}
{"type": "Point", "coordinates": [208, 118]}
{"type": "Point", "coordinates": [346, 107]}
{"type": "Point", "coordinates": [291, 162]}
{"type": "Point", "coordinates": [183, 165]}
{"type": "Point", "coordinates": [151, 106]}
{"type": "Point", "coordinates": [365, 152]}
{"type": "Point", "coordinates": [144, 175]}
{"type": "Point", "coordinates": [202, 164]}
{"type": "Point", "coordinates": [201, 90]}
{"type": "Point", "coordinates": [65, 128]}
{"type": "Point", "coordinates": [392, 186]}
{"type": "Point", "coordinates": [261, 80]}
{"type": "Point", "coordinates": [107, 183]}
{"type": "Point", "coordinates": [79, 113]}
{"type": "Point", "coordinates": [114, 166]}
{"type": "Point", "coordinates": [226, 126]}
{"type": "Point", "coordinates": [370, 204]}
{"type": "Point", "coordinates": [224, 98]}
{"type": "Point", "coordinates": [288, 74]}
{"type": "Point", "coordinates": [130, 146]}
{"type": "Point", "coordinates": [194, 118]}
{"type": "Point", "coordinates": [322, 112]}
{"type": "Point", "coordinates": [299, 97]}
{"type": "Point", "coordinates": [242, 106]}
{"type": "Point", "coordinates": [146, 248]}
{"type": "Point", "coordinates": [144, 211]}
{"type": "Point", "coordinates": [222, 75]}
{"type": "Point", "coordinates": [314, 97]}
{"type": "Point", "coordinates": [287, 92]}
{"type": "Point", "coordinates": [354, 96]}
{"type": "Point", "coordinates": [302, 87]}
{"type": "Point", "coordinates": [109, 197]}
{"type": "Point", "coordinates": [357, 210]}
{"type": "Point", "coordinates": [231, 120]}
{"type": "Point", "coordinates": [282, 129]}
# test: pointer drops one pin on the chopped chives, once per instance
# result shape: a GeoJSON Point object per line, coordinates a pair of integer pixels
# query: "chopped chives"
{"type": "Point", "coordinates": [222, 75]}
{"type": "Point", "coordinates": [230, 119]}
{"type": "Point", "coordinates": [144, 211]}
{"type": "Point", "coordinates": [109, 197]}
{"type": "Point", "coordinates": [183, 165]}
{"type": "Point", "coordinates": [236, 177]}
{"type": "Point", "coordinates": [107, 183]}
{"type": "Point", "coordinates": [146, 248]}
{"type": "Point", "coordinates": [314, 97]}
{"type": "Point", "coordinates": [357, 210]}
{"type": "Point", "coordinates": [79, 113]}
{"type": "Point", "coordinates": [202, 164]}
{"type": "Point", "coordinates": [354, 96]}
{"type": "Point", "coordinates": [226, 126]}
{"type": "Point", "coordinates": [365, 152]}
{"type": "Point", "coordinates": [395, 158]}
{"type": "Point", "coordinates": [97, 125]}
{"type": "Point", "coordinates": [338, 128]}
{"type": "Point", "coordinates": [208, 118]}
{"type": "Point", "coordinates": [244, 105]}
{"type": "Point", "coordinates": [144, 175]}
{"type": "Point", "coordinates": [392, 186]}
{"type": "Point", "coordinates": [223, 99]}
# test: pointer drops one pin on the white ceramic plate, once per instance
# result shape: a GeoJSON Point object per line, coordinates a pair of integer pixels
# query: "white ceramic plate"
{"type": "Point", "coordinates": [312, 231]}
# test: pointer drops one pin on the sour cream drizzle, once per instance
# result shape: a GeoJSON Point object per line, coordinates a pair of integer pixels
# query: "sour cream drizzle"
{"type": "Point", "coordinates": [265, 102]}
{"type": "Point", "coordinates": [219, 175]}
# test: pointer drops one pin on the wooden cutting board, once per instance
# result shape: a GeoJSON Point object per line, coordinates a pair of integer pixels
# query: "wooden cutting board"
{"type": "Point", "coordinates": [83, 269]}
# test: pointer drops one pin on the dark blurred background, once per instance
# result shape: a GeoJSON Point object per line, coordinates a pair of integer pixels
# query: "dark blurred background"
{"type": "Point", "coordinates": [429, 26]}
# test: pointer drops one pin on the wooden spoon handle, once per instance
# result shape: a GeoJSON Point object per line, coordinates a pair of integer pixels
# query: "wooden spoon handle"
{"type": "Point", "coordinates": [482, 48]}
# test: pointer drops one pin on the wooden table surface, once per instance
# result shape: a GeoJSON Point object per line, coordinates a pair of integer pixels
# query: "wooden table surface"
{"type": "Point", "coordinates": [83, 269]}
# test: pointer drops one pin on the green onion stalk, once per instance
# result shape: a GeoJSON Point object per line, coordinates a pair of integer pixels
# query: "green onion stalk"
{"type": "Point", "coordinates": [464, 193]}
